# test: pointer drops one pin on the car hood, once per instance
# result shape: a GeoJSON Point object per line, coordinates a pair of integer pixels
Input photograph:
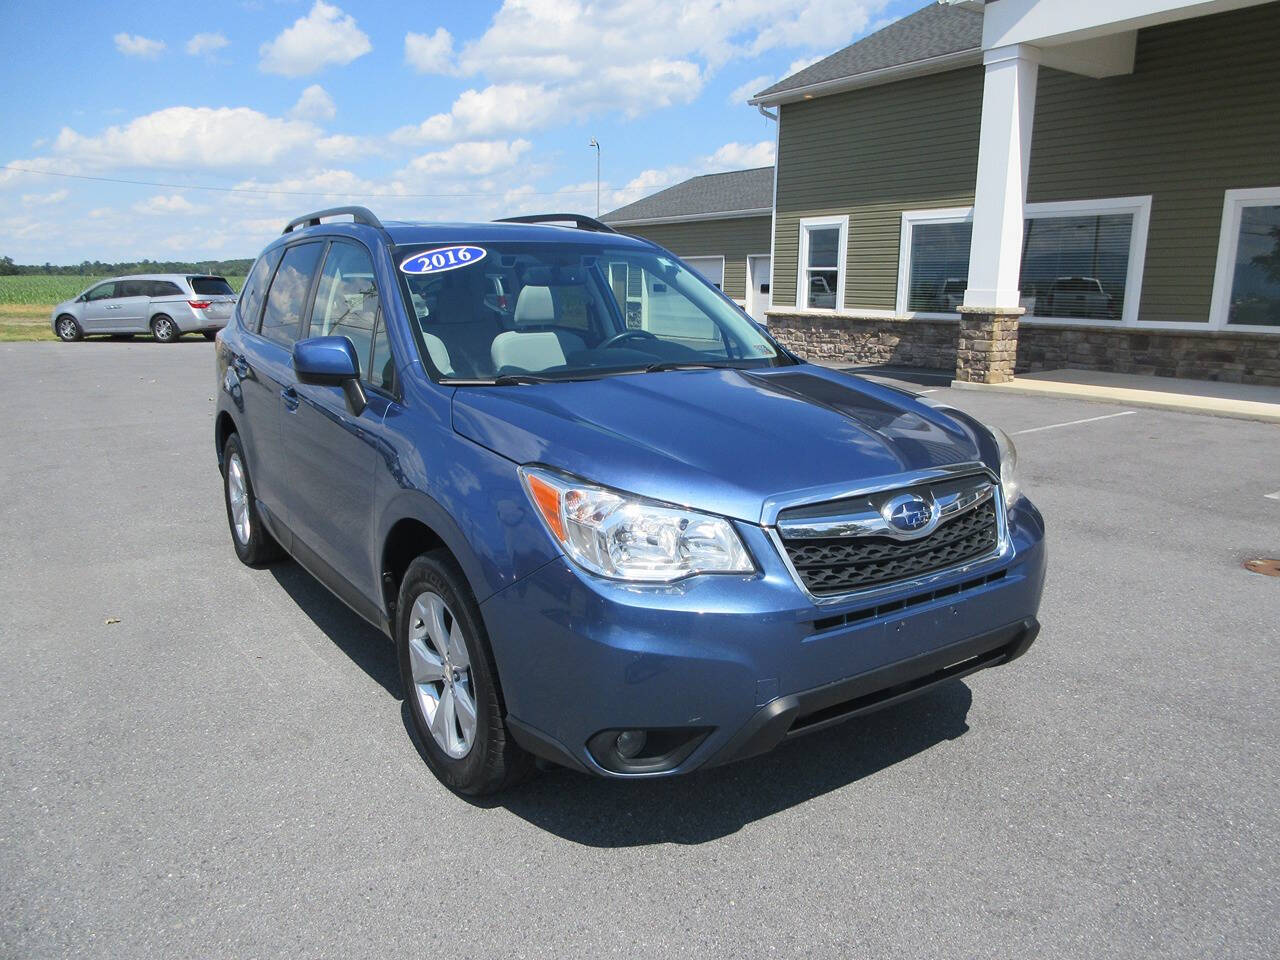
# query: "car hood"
{"type": "Point", "coordinates": [724, 441]}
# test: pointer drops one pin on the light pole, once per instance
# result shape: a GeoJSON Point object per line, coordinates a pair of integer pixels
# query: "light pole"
{"type": "Point", "coordinates": [596, 143]}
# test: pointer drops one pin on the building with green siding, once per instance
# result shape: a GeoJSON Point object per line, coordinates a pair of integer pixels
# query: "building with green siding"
{"type": "Point", "coordinates": [1088, 184]}
{"type": "Point", "coordinates": [720, 223]}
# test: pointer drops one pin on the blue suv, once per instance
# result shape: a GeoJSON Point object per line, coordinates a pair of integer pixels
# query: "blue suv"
{"type": "Point", "coordinates": [606, 518]}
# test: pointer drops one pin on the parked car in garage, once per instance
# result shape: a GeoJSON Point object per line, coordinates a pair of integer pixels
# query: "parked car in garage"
{"type": "Point", "coordinates": [165, 305]}
{"type": "Point", "coordinates": [624, 549]}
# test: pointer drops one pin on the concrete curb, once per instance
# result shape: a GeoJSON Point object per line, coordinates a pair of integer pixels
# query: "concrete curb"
{"type": "Point", "coordinates": [1180, 402]}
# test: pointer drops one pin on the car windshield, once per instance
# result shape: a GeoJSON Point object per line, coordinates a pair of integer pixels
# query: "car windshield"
{"type": "Point", "coordinates": [521, 312]}
{"type": "Point", "coordinates": [211, 287]}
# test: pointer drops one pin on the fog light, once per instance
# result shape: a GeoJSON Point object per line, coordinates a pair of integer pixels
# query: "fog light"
{"type": "Point", "coordinates": [630, 743]}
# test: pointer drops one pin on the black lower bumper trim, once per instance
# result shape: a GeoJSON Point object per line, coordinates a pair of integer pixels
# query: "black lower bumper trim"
{"type": "Point", "coordinates": [825, 706]}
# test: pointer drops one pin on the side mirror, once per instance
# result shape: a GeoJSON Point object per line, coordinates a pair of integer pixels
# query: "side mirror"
{"type": "Point", "coordinates": [331, 362]}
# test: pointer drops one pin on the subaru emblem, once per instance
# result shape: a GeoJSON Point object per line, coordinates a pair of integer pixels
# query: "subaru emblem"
{"type": "Point", "coordinates": [910, 514]}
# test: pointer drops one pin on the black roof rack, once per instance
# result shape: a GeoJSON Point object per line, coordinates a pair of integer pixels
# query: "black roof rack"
{"type": "Point", "coordinates": [579, 220]}
{"type": "Point", "coordinates": [358, 214]}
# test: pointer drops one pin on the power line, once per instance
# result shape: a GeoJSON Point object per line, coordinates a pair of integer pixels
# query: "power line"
{"type": "Point", "coordinates": [296, 193]}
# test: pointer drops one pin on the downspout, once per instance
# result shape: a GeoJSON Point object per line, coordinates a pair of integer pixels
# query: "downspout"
{"type": "Point", "coordinates": [771, 116]}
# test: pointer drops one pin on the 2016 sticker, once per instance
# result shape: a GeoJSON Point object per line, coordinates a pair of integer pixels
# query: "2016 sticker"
{"type": "Point", "coordinates": [443, 258]}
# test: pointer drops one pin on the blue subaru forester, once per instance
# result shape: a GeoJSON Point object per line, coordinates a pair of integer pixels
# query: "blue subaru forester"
{"type": "Point", "coordinates": [606, 518]}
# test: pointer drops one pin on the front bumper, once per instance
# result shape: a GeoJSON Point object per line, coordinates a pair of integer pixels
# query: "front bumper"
{"type": "Point", "coordinates": [743, 663]}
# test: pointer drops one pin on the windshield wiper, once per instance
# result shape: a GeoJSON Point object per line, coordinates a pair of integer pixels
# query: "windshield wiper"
{"type": "Point", "coordinates": [662, 365]}
{"type": "Point", "coordinates": [502, 380]}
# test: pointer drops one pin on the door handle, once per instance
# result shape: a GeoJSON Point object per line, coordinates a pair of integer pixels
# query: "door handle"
{"type": "Point", "coordinates": [113, 306]}
{"type": "Point", "coordinates": [290, 398]}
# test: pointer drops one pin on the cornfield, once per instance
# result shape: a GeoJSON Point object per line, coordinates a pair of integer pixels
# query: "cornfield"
{"type": "Point", "coordinates": [46, 289]}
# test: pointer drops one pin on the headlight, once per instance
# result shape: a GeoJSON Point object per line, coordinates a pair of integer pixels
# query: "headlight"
{"type": "Point", "coordinates": [626, 538]}
{"type": "Point", "coordinates": [1008, 465]}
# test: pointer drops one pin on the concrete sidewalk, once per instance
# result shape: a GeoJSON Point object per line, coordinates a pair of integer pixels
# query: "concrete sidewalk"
{"type": "Point", "coordinates": [1242, 401]}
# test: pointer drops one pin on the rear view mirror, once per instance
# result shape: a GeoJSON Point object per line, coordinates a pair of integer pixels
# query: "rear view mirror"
{"type": "Point", "coordinates": [331, 362]}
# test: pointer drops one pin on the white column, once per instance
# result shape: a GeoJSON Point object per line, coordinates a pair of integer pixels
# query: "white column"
{"type": "Point", "coordinates": [1004, 151]}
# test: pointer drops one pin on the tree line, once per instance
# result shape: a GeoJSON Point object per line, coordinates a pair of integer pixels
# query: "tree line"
{"type": "Point", "coordinates": [96, 268]}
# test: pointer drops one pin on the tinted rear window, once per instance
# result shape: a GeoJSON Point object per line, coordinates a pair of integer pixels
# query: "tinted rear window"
{"type": "Point", "coordinates": [211, 287]}
{"type": "Point", "coordinates": [163, 288]}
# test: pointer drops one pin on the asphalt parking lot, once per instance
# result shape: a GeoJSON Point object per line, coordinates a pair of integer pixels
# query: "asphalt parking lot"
{"type": "Point", "coordinates": [226, 771]}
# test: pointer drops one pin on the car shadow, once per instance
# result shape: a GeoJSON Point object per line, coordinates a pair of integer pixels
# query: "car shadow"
{"type": "Point", "coordinates": [710, 804]}
{"type": "Point", "coordinates": [693, 809]}
{"type": "Point", "coordinates": [366, 646]}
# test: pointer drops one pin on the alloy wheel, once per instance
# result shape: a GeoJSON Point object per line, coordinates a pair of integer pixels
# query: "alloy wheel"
{"type": "Point", "coordinates": [238, 497]}
{"type": "Point", "coordinates": [67, 328]}
{"type": "Point", "coordinates": [441, 670]}
{"type": "Point", "coordinates": [164, 330]}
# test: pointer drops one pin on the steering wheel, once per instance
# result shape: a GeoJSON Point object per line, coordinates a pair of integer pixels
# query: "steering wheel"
{"type": "Point", "coordinates": [626, 335]}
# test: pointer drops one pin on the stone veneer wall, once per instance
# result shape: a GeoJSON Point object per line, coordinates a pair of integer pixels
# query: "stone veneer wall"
{"type": "Point", "coordinates": [1230, 356]}
{"type": "Point", "coordinates": [1237, 357]}
{"type": "Point", "coordinates": [849, 338]}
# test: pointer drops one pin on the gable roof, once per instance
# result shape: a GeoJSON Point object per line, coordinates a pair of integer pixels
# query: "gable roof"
{"type": "Point", "coordinates": [940, 30]}
{"type": "Point", "coordinates": [736, 193]}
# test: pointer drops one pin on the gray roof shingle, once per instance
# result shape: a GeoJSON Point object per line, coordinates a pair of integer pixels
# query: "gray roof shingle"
{"type": "Point", "coordinates": [712, 193]}
{"type": "Point", "coordinates": [934, 31]}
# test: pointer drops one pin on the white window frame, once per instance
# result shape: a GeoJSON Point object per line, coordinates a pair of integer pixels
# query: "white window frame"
{"type": "Point", "coordinates": [1140, 207]}
{"type": "Point", "coordinates": [802, 271]}
{"type": "Point", "coordinates": [909, 219]}
{"type": "Point", "coordinates": [1233, 205]}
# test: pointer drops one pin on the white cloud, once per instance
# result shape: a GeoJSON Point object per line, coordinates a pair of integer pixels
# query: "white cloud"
{"type": "Point", "coordinates": [565, 60]}
{"type": "Point", "coordinates": [166, 205]}
{"type": "Point", "coordinates": [324, 37]}
{"type": "Point", "coordinates": [731, 156]}
{"type": "Point", "coordinates": [429, 54]}
{"type": "Point", "coordinates": [741, 94]}
{"type": "Point", "coordinates": [132, 45]}
{"type": "Point", "coordinates": [483, 113]}
{"type": "Point", "coordinates": [740, 156]}
{"type": "Point", "coordinates": [314, 104]}
{"type": "Point", "coordinates": [203, 43]}
{"type": "Point", "coordinates": [187, 137]}
{"type": "Point", "coordinates": [469, 159]}
{"type": "Point", "coordinates": [43, 199]}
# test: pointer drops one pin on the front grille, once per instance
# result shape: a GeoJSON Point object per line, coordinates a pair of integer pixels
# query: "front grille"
{"type": "Point", "coordinates": [841, 565]}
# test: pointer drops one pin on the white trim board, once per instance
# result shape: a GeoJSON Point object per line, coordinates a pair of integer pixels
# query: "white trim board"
{"type": "Point", "coordinates": [1233, 204]}
{"type": "Point", "coordinates": [802, 260]}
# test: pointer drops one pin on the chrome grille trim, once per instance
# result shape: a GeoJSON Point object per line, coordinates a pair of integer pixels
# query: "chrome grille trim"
{"type": "Point", "coordinates": [986, 487]}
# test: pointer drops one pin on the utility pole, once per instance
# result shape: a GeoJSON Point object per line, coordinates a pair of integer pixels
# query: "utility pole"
{"type": "Point", "coordinates": [595, 143]}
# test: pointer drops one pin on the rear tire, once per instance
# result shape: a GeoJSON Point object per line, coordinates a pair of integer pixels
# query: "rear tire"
{"type": "Point", "coordinates": [253, 544]}
{"type": "Point", "coordinates": [68, 329]}
{"type": "Point", "coordinates": [164, 329]}
{"type": "Point", "coordinates": [209, 334]}
{"type": "Point", "coordinates": [451, 682]}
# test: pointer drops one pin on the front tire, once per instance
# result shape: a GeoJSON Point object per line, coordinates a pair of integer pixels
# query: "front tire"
{"type": "Point", "coordinates": [209, 334]}
{"type": "Point", "coordinates": [451, 682]}
{"type": "Point", "coordinates": [68, 329]}
{"type": "Point", "coordinates": [254, 545]}
{"type": "Point", "coordinates": [164, 329]}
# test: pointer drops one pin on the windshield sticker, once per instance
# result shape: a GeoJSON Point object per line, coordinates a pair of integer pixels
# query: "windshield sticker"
{"type": "Point", "coordinates": [443, 258]}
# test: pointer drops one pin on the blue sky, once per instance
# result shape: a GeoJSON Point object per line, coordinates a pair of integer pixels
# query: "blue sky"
{"type": "Point", "coordinates": [419, 110]}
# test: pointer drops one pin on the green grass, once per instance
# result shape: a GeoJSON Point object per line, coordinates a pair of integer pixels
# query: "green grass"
{"type": "Point", "coordinates": [42, 289]}
{"type": "Point", "coordinates": [27, 301]}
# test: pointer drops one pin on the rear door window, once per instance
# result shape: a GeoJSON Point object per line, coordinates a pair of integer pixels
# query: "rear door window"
{"type": "Point", "coordinates": [287, 299]}
{"type": "Point", "coordinates": [211, 287]}
{"type": "Point", "coordinates": [346, 298]}
{"type": "Point", "coordinates": [255, 285]}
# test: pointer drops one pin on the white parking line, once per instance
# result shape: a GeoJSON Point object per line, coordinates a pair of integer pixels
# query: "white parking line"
{"type": "Point", "coordinates": [1072, 423]}
{"type": "Point", "coordinates": [1272, 496]}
